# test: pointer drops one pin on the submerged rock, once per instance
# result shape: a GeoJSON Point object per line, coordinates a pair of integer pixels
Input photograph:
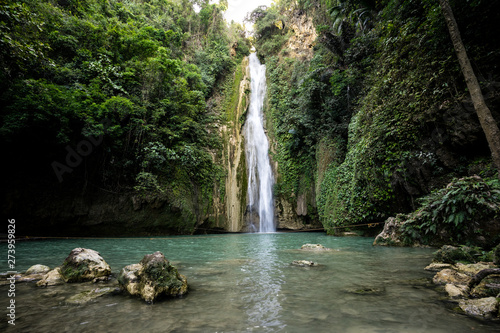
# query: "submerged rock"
{"type": "Point", "coordinates": [84, 265]}
{"type": "Point", "coordinates": [89, 295]}
{"type": "Point", "coordinates": [152, 278]}
{"type": "Point", "coordinates": [365, 290]}
{"type": "Point", "coordinates": [52, 278]}
{"type": "Point", "coordinates": [303, 263]}
{"type": "Point", "coordinates": [482, 307]}
{"type": "Point", "coordinates": [314, 247]}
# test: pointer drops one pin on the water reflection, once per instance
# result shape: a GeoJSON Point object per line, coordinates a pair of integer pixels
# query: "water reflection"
{"type": "Point", "coordinates": [262, 285]}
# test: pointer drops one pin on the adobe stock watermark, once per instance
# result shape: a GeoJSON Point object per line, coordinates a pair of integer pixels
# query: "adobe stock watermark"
{"type": "Point", "coordinates": [75, 156]}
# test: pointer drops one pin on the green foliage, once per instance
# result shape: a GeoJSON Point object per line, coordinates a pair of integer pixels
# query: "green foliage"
{"type": "Point", "coordinates": [137, 74]}
{"type": "Point", "coordinates": [455, 213]}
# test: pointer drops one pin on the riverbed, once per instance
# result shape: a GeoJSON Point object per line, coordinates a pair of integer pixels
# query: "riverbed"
{"type": "Point", "coordinates": [245, 283]}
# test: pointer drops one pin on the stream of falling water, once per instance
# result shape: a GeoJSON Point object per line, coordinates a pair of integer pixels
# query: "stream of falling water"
{"type": "Point", "coordinates": [260, 176]}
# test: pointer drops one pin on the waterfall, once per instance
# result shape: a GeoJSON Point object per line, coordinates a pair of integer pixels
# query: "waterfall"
{"type": "Point", "coordinates": [260, 176]}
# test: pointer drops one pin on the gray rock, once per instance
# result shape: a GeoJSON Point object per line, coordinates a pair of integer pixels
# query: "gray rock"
{"type": "Point", "coordinates": [84, 265]}
{"type": "Point", "coordinates": [482, 307]}
{"type": "Point", "coordinates": [152, 278]}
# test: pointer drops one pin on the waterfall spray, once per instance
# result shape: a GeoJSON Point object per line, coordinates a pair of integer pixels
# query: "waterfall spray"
{"type": "Point", "coordinates": [260, 176]}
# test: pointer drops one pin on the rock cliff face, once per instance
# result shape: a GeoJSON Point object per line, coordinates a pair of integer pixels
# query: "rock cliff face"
{"type": "Point", "coordinates": [234, 157]}
{"type": "Point", "coordinates": [300, 44]}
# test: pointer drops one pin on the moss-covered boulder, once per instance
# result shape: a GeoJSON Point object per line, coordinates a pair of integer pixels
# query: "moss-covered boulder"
{"type": "Point", "coordinates": [452, 254]}
{"type": "Point", "coordinates": [84, 265]}
{"type": "Point", "coordinates": [152, 278]}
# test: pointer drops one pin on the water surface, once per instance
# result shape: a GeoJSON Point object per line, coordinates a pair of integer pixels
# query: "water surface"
{"type": "Point", "coordinates": [245, 283]}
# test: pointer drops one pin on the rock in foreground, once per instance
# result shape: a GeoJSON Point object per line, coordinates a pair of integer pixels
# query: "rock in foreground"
{"type": "Point", "coordinates": [482, 307]}
{"type": "Point", "coordinates": [84, 265]}
{"type": "Point", "coordinates": [153, 278]}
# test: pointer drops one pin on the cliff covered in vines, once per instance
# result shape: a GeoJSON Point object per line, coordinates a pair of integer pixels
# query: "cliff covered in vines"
{"type": "Point", "coordinates": [379, 115]}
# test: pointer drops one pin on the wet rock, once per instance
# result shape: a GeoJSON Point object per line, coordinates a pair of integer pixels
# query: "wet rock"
{"type": "Point", "coordinates": [52, 278]}
{"type": "Point", "coordinates": [452, 254]}
{"type": "Point", "coordinates": [152, 278]}
{"type": "Point", "coordinates": [314, 247]}
{"type": "Point", "coordinates": [451, 276]}
{"type": "Point", "coordinates": [89, 295]}
{"type": "Point", "coordinates": [437, 266]}
{"type": "Point", "coordinates": [38, 269]}
{"type": "Point", "coordinates": [455, 291]}
{"type": "Point", "coordinates": [489, 286]}
{"type": "Point", "coordinates": [482, 307]}
{"type": "Point", "coordinates": [84, 265]}
{"type": "Point", "coordinates": [303, 263]}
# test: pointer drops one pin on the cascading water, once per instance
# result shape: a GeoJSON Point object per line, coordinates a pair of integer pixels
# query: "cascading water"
{"type": "Point", "coordinates": [260, 176]}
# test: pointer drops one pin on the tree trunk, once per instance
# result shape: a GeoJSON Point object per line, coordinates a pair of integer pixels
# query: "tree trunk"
{"type": "Point", "coordinates": [487, 121]}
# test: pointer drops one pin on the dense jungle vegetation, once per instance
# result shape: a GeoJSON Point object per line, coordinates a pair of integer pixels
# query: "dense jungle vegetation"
{"type": "Point", "coordinates": [380, 116]}
{"type": "Point", "coordinates": [115, 94]}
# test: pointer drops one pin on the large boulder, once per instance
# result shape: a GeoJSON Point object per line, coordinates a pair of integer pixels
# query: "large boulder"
{"type": "Point", "coordinates": [153, 277]}
{"type": "Point", "coordinates": [84, 265]}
